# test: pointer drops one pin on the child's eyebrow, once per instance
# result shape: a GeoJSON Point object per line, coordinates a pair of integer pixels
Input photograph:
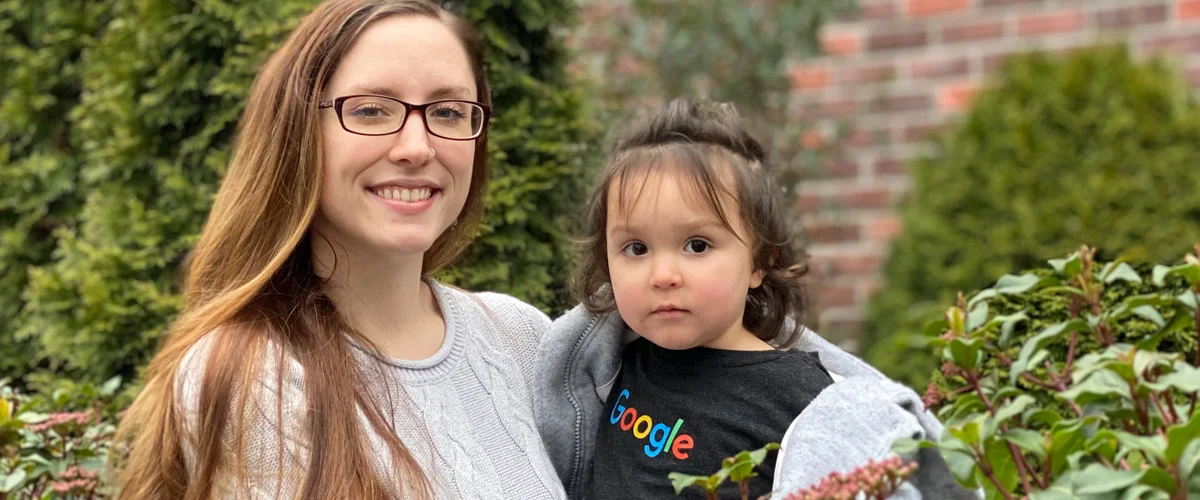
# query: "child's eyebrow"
{"type": "Point", "coordinates": [690, 226]}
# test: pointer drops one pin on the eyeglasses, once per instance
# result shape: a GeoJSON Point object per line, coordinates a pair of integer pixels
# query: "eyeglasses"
{"type": "Point", "coordinates": [381, 115]}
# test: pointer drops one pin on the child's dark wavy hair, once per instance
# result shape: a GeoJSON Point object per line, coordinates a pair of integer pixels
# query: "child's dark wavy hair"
{"type": "Point", "coordinates": [707, 143]}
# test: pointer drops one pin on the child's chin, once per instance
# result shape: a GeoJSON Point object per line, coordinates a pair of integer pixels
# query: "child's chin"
{"type": "Point", "coordinates": [673, 343]}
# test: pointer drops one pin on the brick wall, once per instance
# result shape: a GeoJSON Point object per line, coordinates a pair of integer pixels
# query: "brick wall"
{"type": "Point", "coordinates": [901, 68]}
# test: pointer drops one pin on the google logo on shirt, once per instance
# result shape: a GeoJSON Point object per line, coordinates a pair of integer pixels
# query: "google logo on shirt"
{"type": "Point", "coordinates": [661, 436]}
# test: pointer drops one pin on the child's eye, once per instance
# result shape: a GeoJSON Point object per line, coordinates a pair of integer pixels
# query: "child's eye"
{"type": "Point", "coordinates": [634, 249]}
{"type": "Point", "coordinates": [696, 246]}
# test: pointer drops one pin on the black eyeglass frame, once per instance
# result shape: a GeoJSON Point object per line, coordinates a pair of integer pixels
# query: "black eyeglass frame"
{"type": "Point", "coordinates": [336, 104]}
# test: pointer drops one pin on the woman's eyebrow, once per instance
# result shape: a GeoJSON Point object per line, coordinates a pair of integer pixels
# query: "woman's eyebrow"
{"type": "Point", "coordinates": [447, 92]}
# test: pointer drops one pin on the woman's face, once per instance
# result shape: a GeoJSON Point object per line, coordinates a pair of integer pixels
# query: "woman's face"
{"type": "Point", "coordinates": [398, 192]}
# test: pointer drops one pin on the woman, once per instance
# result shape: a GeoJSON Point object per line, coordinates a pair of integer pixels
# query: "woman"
{"type": "Point", "coordinates": [315, 358]}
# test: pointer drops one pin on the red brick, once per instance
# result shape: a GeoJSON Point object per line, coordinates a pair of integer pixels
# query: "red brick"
{"type": "Point", "coordinates": [1188, 9]}
{"type": "Point", "coordinates": [956, 97]}
{"type": "Point", "coordinates": [900, 103]}
{"type": "Point", "coordinates": [973, 31]}
{"type": "Point", "coordinates": [837, 169]}
{"type": "Point", "coordinates": [884, 228]}
{"type": "Point", "coordinates": [831, 232]}
{"type": "Point", "coordinates": [890, 166]}
{"type": "Point", "coordinates": [1054, 22]}
{"type": "Point", "coordinates": [1006, 3]}
{"type": "Point", "coordinates": [940, 68]}
{"type": "Point", "coordinates": [809, 77]}
{"type": "Point", "coordinates": [1131, 16]}
{"type": "Point", "coordinates": [856, 264]}
{"type": "Point", "coordinates": [868, 74]}
{"type": "Point", "coordinates": [895, 40]}
{"type": "Point", "coordinates": [807, 203]}
{"type": "Point", "coordinates": [863, 137]}
{"type": "Point", "coordinates": [917, 8]}
{"type": "Point", "coordinates": [868, 197]}
{"type": "Point", "coordinates": [838, 108]}
{"type": "Point", "coordinates": [823, 109]}
{"type": "Point", "coordinates": [879, 9]}
{"type": "Point", "coordinates": [840, 42]}
{"type": "Point", "coordinates": [1173, 44]}
{"type": "Point", "coordinates": [917, 133]}
{"type": "Point", "coordinates": [836, 296]}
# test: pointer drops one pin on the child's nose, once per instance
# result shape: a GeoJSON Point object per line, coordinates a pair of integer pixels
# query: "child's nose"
{"type": "Point", "coordinates": [665, 274]}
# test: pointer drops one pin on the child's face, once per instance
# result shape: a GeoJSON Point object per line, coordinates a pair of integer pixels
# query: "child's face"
{"type": "Point", "coordinates": [680, 278]}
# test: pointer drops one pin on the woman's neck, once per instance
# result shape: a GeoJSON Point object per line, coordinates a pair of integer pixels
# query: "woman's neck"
{"type": "Point", "coordinates": [383, 297]}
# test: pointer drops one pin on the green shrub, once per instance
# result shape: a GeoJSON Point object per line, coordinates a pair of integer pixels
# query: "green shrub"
{"type": "Point", "coordinates": [56, 443]}
{"type": "Point", "coordinates": [1079, 382]}
{"type": "Point", "coordinates": [1092, 148]}
{"type": "Point", "coordinates": [40, 48]}
{"type": "Point", "coordinates": [132, 137]}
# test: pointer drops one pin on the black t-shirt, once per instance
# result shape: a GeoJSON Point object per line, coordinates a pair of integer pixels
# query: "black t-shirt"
{"type": "Point", "coordinates": [686, 411]}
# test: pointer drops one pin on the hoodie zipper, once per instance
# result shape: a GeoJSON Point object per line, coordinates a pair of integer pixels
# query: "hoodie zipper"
{"type": "Point", "coordinates": [577, 458]}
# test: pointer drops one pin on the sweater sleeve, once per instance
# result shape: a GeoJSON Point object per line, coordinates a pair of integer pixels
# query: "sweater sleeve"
{"type": "Point", "coordinates": [858, 419]}
{"type": "Point", "coordinates": [275, 448]}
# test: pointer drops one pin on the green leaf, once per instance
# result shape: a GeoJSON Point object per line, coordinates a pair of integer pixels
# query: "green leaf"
{"type": "Point", "coordinates": [968, 432]}
{"type": "Point", "coordinates": [1189, 272]}
{"type": "Point", "coordinates": [1051, 333]}
{"type": "Point", "coordinates": [1159, 479]}
{"type": "Point", "coordinates": [30, 417]}
{"type": "Point", "coordinates": [962, 466]}
{"type": "Point", "coordinates": [1045, 416]}
{"type": "Point", "coordinates": [1027, 440]}
{"type": "Point", "coordinates": [1180, 435]}
{"type": "Point", "coordinates": [1069, 266]}
{"type": "Point", "coordinates": [1151, 314]}
{"type": "Point", "coordinates": [1007, 324]}
{"type": "Point", "coordinates": [1100, 385]}
{"type": "Point", "coordinates": [1004, 467]}
{"type": "Point", "coordinates": [1185, 378]}
{"type": "Point", "coordinates": [1143, 492]}
{"type": "Point", "coordinates": [1190, 459]}
{"type": "Point", "coordinates": [1067, 439]}
{"type": "Point", "coordinates": [1062, 489]}
{"type": "Point", "coordinates": [1152, 446]}
{"type": "Point", "coordinates": [12, 480]}
{"type": "Point", "coordinates": [682, 481]}
{"type": "Point", "coordinates": [1013, 408]}
{"type": "Point", "coordinates": [965, 352]}
{"type": "Point", "coordinates": [1127, 306]}
{"type": "Point", "coordinates": [110, 386]}
{"type": "Point", "coordinates": [1097, 479]}
{"type": "Point", "coordinates": [977, 317]}
{"type": "Point", "coordinates": [979, 297]}
{"type": "Point", "coordinates": [1123, 272]}
{"type": "Point", "coordinates": [1013, 284]}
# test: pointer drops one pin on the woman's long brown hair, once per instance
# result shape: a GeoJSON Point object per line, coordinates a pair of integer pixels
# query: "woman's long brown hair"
{"type": "Point", "coordinates": [251, 288]}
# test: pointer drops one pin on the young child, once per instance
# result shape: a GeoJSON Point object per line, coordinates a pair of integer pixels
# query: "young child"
{"type": "Point", "coordinates": [688, 346]}
{"type": "Point", "coordinates": [688, 241]}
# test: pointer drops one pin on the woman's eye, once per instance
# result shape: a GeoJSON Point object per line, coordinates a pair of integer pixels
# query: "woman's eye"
{"type": "Point", "coordinates": [447, 113]}
{"type": "Point", "coordinates": [367, 112]}
{"type": "Point", "coordinates": [696, 246]}
{"type": "Point", "coordinates": [634, 249]}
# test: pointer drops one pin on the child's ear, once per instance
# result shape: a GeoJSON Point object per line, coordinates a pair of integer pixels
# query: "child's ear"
{"type": "Point", "coordinates": [756, 278]}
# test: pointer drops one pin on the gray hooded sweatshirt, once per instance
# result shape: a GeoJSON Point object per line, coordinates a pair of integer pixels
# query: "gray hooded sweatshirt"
{"type": "Point", "coordinates": [855, 419]}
